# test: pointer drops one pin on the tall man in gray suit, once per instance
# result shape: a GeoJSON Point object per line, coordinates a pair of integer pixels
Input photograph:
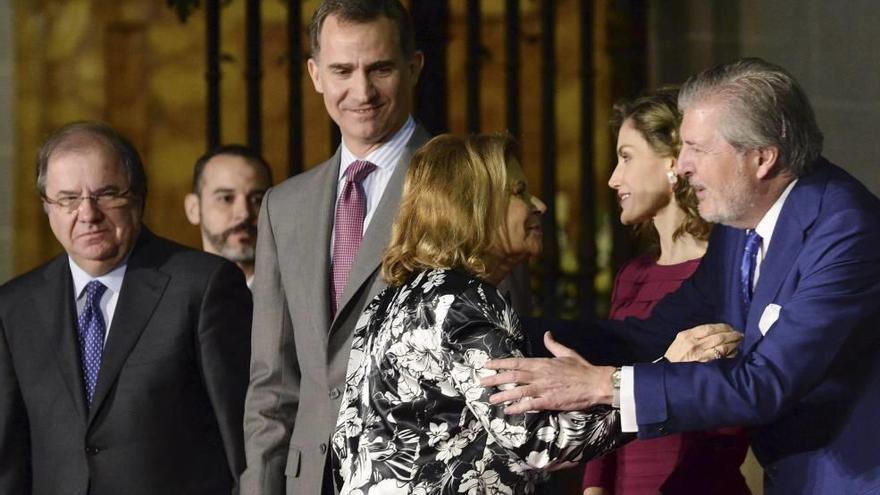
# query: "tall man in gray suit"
{"type": "Point", "coordinates": [322, 236]}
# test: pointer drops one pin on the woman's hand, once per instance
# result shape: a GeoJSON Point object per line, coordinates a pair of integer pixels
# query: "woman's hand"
{"type": "Point", "coordinates": [704, 343]}
{"type": "Point", "coordinates": [594, 490]}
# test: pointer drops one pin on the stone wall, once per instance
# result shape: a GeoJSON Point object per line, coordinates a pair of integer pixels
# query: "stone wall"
{"type": "Point", "coordinates": [829, 46]}
{"type": "Point", "coordinates": [7, 138]}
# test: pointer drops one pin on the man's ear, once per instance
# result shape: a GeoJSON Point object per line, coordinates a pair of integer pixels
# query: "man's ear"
{"type": "Point", "coordinates": [315, 74]}
{"type": "Point", "coordinates": [415, 66]}
{"type": "Point", "coordinates": [767, 161]}
{"type": "Point", "coordinates": [191, 208]}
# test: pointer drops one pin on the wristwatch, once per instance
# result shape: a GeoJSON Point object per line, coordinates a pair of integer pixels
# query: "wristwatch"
{"type": "Point", "coordinates": [615, 387]}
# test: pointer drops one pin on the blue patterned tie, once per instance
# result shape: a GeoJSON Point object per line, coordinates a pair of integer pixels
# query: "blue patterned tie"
{"type": "Point", "coordinates": [91, 336]}
{"type": "Point", "coordinates": [747, 268]}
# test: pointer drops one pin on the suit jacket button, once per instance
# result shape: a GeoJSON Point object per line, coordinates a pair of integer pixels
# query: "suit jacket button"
{"type": "Point", "coordinates": [92, 450]}
{"type": "Point", "coordinates": [335, 393]}
{"type": "Point", "coordinates": [323, 448]}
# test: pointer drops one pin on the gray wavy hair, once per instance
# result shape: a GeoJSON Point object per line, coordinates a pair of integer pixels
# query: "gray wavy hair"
{"type": "Point", "coordinates": [764, 106]}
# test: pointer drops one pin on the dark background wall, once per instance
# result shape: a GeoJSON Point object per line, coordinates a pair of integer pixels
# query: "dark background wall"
{"type": "Point", "coordinates": [831, 47]}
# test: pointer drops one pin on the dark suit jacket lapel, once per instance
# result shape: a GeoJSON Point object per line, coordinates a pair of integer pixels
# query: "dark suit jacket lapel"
{"type": "Point", "coordinates": [60, 324]}
{"type": "Point", "coordinates": [142, 288]}
{"type": "Point", "coordinates": [797, 215]}
{"type": "Point", "coordinates": [375, 240]}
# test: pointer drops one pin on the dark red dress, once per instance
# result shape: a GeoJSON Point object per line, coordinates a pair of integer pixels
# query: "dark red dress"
{"type": "Point", "coordinates": [695, 462]}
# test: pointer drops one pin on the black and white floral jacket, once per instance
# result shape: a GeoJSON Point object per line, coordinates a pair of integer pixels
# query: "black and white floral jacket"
{"type": "Point", "coordinates": [414, 418]}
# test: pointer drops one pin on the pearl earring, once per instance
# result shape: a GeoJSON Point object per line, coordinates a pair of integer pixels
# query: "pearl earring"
{"type": "Point", "coordinates": [670, 175]}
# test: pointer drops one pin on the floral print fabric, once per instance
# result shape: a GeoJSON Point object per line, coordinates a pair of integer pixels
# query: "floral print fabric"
{"type": "Point", "coordinates": [414, 418]}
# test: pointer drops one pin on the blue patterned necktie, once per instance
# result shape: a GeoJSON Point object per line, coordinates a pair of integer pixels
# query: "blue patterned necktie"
{"type": "Point", "coordinates": [91, 337]}
{"type": "Point", "coordinates": [747, 268]}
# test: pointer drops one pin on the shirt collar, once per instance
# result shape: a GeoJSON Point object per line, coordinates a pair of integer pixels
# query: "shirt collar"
{"type": "Point", "coordinates": [112, 279]}
{"type": "Point", "coordinates": [385, 156]}
{"type": "Point", "coordinates": [767, 224]}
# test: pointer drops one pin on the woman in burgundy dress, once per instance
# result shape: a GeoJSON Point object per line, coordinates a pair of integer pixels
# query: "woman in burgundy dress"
{"type": "Point", "coordinates": [663, 208]}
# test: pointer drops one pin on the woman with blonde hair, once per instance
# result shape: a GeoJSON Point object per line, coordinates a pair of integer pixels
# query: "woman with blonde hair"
{"type": "Point", "coordinates": [414, 418]}
{"type": "Point", "coordinates": [663, 208]}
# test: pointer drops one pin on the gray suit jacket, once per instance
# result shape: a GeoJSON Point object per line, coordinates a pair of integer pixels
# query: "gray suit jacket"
{"type": "Point", "coordinates": [300, 351]}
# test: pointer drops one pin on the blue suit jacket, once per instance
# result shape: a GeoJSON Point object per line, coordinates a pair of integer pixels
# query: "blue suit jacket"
{"type": "Point", "coordinates": [809, 384]}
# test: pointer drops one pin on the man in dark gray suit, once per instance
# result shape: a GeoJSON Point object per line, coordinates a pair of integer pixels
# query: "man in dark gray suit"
{"type": "Point", "coordinates": [123, 361]}
{"type": "Point", "coordinates": [322, 236]}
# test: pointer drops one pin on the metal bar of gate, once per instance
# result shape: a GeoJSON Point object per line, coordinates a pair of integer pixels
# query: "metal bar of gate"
{"type": "Point", "coordinates": [511, 43]}
{"type": "Point", "coordinates": [254, 75]}
{"type": "Point", "coordinates": [294, 88]}
{"type": "Point", "coordinates": [473, 66]}
{"type": "Point", "coordinates": [550, 259]}
{"type": "Point", "coordinates": [587, 252]}
{"type": "Point", "coordinates": [431, 19]}
{"type": "Point", "coordinates": [212, 73]}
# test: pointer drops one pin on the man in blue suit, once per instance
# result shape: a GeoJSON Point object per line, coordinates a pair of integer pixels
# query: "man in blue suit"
{"type": "Point", "coordinates": [795, 263]}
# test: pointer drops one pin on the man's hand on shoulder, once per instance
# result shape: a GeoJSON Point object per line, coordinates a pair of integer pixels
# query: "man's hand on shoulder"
{"type": "Point", "coordinates": [566, 382]}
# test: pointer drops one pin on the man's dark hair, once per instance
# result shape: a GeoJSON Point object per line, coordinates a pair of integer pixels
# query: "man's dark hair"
{"type": "Point", "coordinates": [240, 150]}
{"type": "Point", "coordinates": [362, 11]}
{"type": "Point", "coordinates": [85, 135]}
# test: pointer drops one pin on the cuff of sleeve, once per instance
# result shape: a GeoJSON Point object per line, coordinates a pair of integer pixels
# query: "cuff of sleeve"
{"type": "Point", "coordinates": [628, 420]}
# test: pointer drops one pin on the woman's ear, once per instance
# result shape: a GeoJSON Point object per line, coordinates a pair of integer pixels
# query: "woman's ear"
{"type": "Point", "coordinates": [670, 171]}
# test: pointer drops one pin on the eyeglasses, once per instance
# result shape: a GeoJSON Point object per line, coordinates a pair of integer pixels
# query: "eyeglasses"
{"type": "Point", "coordinates": [103, 200]}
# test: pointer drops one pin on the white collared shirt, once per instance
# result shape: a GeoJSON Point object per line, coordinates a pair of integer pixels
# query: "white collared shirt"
{"type": "Point", "coordinates": [766, 227]}
{"type": "Point", "coordinates": [628, 421]}
{"type": "Point", "coordinates": [112, 280]}
{"type": "Point", "coordinates": [385, 158]}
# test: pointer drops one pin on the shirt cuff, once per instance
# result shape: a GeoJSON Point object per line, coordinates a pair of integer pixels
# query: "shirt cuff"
{"type": "Point", "coordinates": [628, 421]}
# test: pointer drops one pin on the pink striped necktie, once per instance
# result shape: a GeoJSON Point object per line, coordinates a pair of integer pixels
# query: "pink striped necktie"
{"type": "Point", "coordinates": [348, 229]}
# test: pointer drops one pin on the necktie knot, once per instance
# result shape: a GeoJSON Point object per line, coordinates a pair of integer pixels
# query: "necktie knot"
{"type": "Point", "coordinates": [94, 291]}
{"type": "Point", "coordinates": [359, 170]}
{"type": "Point", "coordinates": [753, 241]}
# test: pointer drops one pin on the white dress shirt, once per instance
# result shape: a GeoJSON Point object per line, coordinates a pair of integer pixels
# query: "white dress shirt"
{"type": "Point", "coordinates": [112, 280]}
{"type": "Point", "coordinates": [385, 158]}
{"type": "Point", "coordinates": [628, 421]}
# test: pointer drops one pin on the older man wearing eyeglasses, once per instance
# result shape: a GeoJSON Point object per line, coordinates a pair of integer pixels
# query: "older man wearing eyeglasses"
{"type": "Point", "coordinates": [123, 361]}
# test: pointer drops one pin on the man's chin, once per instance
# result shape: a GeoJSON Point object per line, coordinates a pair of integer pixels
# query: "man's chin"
{"type": "Point", "coordinates": [707, 214]}
{"type": "Point", "coordinates": [239, 254]}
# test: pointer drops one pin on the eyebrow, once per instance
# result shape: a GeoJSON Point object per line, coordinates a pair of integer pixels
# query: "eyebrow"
{"type": "Point", "coordinates": [341, 66]}
{"type": "Point", "coordinates": [379, 64]}
{"type": "Point", "coordinates": [99, 190]}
